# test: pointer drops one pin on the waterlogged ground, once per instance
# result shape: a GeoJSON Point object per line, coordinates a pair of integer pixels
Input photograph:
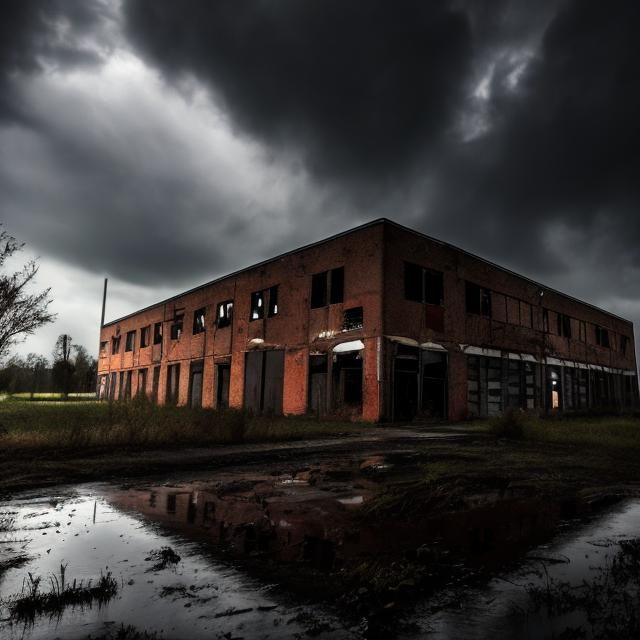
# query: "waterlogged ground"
{"type": "Point", "coordinates": [89, 530]}
{"type": "Point", "coordinates": [181, 552]}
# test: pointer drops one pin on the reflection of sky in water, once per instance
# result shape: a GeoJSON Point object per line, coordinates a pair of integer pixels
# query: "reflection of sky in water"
{"type": "Point", "coordinates": [502, 609]}
{"type": "Point", "coordinates": [119, 542]}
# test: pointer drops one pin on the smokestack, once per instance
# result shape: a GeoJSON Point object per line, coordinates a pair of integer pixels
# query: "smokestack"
{"type": "Point", "coordinates": [104, 302]}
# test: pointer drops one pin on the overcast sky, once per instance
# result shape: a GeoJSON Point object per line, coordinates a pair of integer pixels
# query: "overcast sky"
{"type": "Point", "coordinates": [164, 143]}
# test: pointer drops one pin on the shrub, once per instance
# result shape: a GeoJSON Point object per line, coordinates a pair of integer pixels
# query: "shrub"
{"type": "Point", "coordinates": [511, 424]}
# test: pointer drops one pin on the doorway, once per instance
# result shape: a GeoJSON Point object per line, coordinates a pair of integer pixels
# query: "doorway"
{"type": "Point", "coordinates": [264, 381]}
{"type": "Point", "coordinates": [195, 384]}
{"type": "Point", "coordinates": [223, 377]}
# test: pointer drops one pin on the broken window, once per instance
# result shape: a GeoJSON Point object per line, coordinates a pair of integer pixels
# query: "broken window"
{"type": "Point", "coordinates": [115, 345]}
{"type": "Point", "coordinates": [257, 305]}
{"type": "Point", "coordinates": [198, 320]}
{"type": "Point", "coordinates": [131, 338]}
{"type": "Point", "coordinates": [602, 337]}
{"type": "Point", "coordinates": [337, 286]}
{"type": "Point", "coordinates": [273, 301]}
{"type": "Point", "coordinates": [103, 348]}
{"type": "Point", "coordinates": [423, 285]}
{"type": "Point", "coordinates": [319, 290]}
{"type": "Point", "coordinates": [157, 333]}
{"type": "Point", "coordinates": [176, 328]}
{"type": "Point", "coordinates": [224, 313]}
{"type": "Point", "coordinates": [564, 325]}
{"type": "Point", "coordinates": [353, 319]}
{"type": "Point", "coordinates": [478, 300]}
{"type": "Point", "coordinates": [144, 336]}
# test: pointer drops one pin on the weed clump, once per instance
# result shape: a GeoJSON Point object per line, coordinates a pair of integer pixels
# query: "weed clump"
{"type": "Point", "coordinates": [163, 557]}
{"type": "Point", "coordinates": [511, 424]}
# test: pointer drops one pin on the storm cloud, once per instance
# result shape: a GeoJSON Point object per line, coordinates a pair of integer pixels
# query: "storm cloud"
{"type": "Point", "coordinates": [165, 143]}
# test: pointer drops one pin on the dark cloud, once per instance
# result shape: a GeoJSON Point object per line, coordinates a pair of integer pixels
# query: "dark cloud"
{"type": "Point", "coordinates": [357, 88]}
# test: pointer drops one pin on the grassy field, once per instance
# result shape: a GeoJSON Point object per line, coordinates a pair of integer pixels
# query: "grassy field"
{"type": "Point", "coordinates": [55, 425]}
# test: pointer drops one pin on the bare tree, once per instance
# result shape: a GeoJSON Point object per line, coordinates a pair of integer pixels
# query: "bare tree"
{"type": "Point", "coordinates": [21, 312]}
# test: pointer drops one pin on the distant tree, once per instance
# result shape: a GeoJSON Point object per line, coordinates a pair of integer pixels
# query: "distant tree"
{"type": "Point", "coordinates": [21, 312]}
{"type": "Point", "coordinates": [38, 368]}
{"type": "Point", "coordinates": [63, 368]}
{"type": "Point", "coordinates": [85, 370]}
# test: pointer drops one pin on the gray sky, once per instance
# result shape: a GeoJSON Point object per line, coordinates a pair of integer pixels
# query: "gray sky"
{"type": "Point", "coordinates": [164, 143]}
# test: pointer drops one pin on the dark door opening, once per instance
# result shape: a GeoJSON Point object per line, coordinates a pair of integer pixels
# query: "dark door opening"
{"type": "Point", "coordinates": [264, 381]}
{"type": "Point", "coordinates": [222, 389]}
{"type": "Point", "coordinates": [173, 383]}
{"type": "Point", "coordinates": [554, 388]}
{"type": "Point", "coordinates": [347, 380]}
{"type": "Point", "coordinates": [434, 385]}
{"type": "Point", "coordinates": [155, 384]}
{"type": "Point", "coordinates": [195, 384]}
{"type": "Point", "coordinates": [318, 385]}
{"type": "Point", "coordinates": [405, 383]}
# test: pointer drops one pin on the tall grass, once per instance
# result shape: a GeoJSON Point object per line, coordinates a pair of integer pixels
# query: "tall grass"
{"type": "Point", "coordinates": [141, 424]}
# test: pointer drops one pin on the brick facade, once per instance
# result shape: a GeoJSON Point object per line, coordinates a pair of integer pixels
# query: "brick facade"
{"type": "Point", "coordinates": [376, 323]}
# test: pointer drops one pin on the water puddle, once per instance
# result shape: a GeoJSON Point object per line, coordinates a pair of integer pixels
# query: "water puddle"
{"type": "Point", "coordinates": [583, 585]}
{"type": "Point", "coordinates": [180, 593]}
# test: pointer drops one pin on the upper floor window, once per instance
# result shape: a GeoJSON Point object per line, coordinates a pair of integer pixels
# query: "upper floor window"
{"type": "Point", "coordinates": [624, 343]}
{"type": "Point", "coordinates": [224, 313]}
{"type": "Point", "coordinates": [545, 320]}
{"type": "Point", "coordinates": [176, 327]}
{"type": "Point", "coordinates": [353, 319]}
{"type": "Point", "coordinates": [198, 320]}
{"type": "Point", "coordinates": [602, 337]}
{"type": "Point", "coordinates": [423, 285]}
{"type": "Point", "coordinates": [582, 328]}
{"type": "Point", "coordinates": [327, 286]}
{"type": "Point", "coordinates": [115, 345]}
{"type": "Point", "coordinates": [131, 339]}
{"type": "Point", "coordinates": [257, 305]}
{"type": "Point", "coordinates": [478, 300]}
{"type": "Point", "coordinates": [157, 333]}
{"type": "Point", "coordinates": [144, 336]}
{"type": "Point", "coordinates": [564, 325]}
{"type": "Point", "coordinates": [103, 348]}
{"type": "Point", "coordinates": [273, 301]}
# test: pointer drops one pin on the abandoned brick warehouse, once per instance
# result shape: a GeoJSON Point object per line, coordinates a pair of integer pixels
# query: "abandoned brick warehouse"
{"type": "Point", "coordinates": [376, 323]}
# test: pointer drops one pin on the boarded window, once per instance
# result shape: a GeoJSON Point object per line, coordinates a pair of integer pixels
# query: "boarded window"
{"type": "Point", "coordinates": [478, 300]}
{"type": "Point", "coordinates": [224, 313]}
{"type": "Point", "coordinates": [198, 320]}
{"type": "Point", "coordinates": [273, 301]}
{"type": "Point", "coordinates": [257, 305]}
{"type": "Point", "coordinates": [115, 345]}
{"type": "Point", "coordinates": [144, 336]}
{"type": "Point", "coordinates": [157, 333]}
{"type": "Point", "coordinates": [337, 286]}
{"type": "Point", "coordinates": [353, 319]}
{"type": "Point", "coordinates": [319, 290]}
{"type": "Point", "coordinates": [526, 314]}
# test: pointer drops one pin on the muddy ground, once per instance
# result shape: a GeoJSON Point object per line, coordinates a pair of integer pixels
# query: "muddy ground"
{"type": "Point", "coordinates": [371, 521]}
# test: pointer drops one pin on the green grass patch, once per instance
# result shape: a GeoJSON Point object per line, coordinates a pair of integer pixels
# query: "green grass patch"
{"type": "Point", "coordinates": [80, 426]}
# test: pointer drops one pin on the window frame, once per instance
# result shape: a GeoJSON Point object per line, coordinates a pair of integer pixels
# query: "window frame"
{"type": "Point", "coordinates": [226, 318]}
{"type": "Point", "coordinates": [199, 321]}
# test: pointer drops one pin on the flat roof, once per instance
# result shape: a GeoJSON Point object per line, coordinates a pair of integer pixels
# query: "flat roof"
{"type": "Point", "coordinates": [366, 225]}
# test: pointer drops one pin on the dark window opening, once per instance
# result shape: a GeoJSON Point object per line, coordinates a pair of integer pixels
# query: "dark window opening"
{"type": "Point", "coordinates": [127, 385]}
{"type": "Point", "coordinates": [273, 301]}
{"type": "Point", "coordinates": [198, 320]}
{"type": "Point", "coordinates": [545, 320]}
{"type": "Point", "coordinates": [155, 384]}
{"type": "Point", "coordinates": [353, 319]}
{"type": "Point", "coordinates": [144, 336]}
{"type": "Point", "coordinates": [224, 313]}
{"type": "Point", "coordinates": [196, 370]}
{"type": "Point", "coordinates": [337, 286]}
{"type": "Point", "coordinates": [131, 339]}
{"type": "Point", "coordinates": [319, 290]}
{"type": "Point", "coordinates": [583, 331]}
{"type": "Point", "coordinates": [222, 390]}
{"type": "Point", "coordinates": [564, 325]}
{"type": "Point", "coordinates": [602, 337]}
{"type": "Point", "coordinates": [103, 348]}
{"type": "Point", "coordinates": [624, 343]}
{"type": "Point", "coordinates": [478, 300]}
{"type": "Point", "coordinates": [157, 333]}
{"type": "Point", "coordinates": [173, 383]}
{"type": "Point", "coordinates": [423, 285]}
{"type": "Point", "coordinates": [347, 379]}
{"type": "Point", "coordinates": [257, 305]}
{"type": "Point", "coordinates": [176, 328]}
{"type": "Point", "coordinates": [142, 382]}
{"type": "Point", "coordinates": [115, 345]}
